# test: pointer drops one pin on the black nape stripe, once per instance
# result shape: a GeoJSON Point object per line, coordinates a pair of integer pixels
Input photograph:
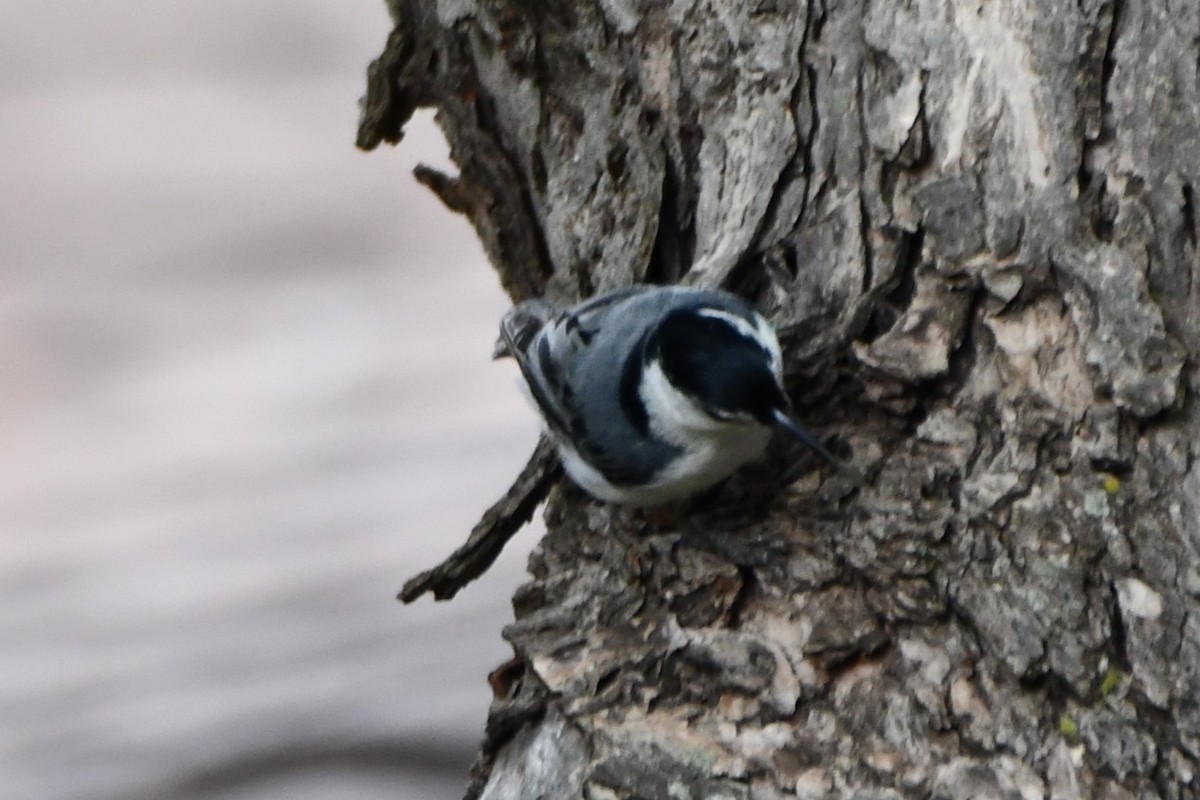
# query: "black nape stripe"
{"type": "Point", "coordinates": [546, 363]}
{"type": "Point", "coordinates": [627, 393]}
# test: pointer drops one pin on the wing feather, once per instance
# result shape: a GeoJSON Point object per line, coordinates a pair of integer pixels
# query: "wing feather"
{"type": "Point", "coordinates": [547, 346]}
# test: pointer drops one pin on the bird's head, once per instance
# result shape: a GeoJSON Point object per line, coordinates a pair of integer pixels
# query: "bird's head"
{"type": "Point", "coordinates": [720, 362]}
{"type": "Point", "coordinates": [729, 366]}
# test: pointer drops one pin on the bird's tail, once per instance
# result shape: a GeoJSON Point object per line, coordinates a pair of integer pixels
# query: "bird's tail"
{"type": "Point", "coordinates": [520, 325]}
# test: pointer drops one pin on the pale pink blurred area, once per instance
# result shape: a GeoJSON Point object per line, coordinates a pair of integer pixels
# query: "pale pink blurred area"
{"type": "Point", "coordinates": [246, 392]}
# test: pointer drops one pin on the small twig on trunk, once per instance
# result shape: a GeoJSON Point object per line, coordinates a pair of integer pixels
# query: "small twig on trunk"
{"type": "Point", "coordinates": [499, 524]}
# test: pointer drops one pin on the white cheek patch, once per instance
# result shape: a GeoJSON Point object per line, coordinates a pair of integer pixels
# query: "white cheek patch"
{"type": "Point", "coordinates": [710, 448]}
{"type": "Point", "coordinates": [674, 417]}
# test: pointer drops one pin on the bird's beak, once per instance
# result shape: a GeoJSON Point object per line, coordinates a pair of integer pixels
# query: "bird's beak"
{"type": "Point", "coordinates": [784, 420]}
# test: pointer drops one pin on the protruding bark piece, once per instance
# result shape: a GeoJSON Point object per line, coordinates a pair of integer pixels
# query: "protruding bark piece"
{"type": "Point", "coordinates": [499, 524]}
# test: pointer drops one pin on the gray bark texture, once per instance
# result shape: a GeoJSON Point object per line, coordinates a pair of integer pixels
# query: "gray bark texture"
{"type": "Point", "coordinates": [975, 225]}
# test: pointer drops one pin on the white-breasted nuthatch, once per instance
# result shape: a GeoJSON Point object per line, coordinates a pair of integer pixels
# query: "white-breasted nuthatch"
{"type": "Point", "coordinates": [652, 393]}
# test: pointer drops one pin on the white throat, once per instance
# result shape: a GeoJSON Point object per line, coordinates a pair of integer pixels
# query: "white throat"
{"type": "Point", "coordinates": [712, 448]}
{"type": "Point", "coordinates": [674, 417]}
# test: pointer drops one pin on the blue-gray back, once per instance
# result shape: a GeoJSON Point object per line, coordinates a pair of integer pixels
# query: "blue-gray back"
{"type": "Point", "coordinates": [584, 366]}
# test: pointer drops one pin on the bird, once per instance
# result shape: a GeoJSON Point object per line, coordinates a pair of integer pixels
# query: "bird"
{"type": "Point", "coordinates": [652, 393]}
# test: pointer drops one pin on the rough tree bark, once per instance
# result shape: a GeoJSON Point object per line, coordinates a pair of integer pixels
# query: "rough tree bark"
{"type": "Point", "coordinates": [976, 224]}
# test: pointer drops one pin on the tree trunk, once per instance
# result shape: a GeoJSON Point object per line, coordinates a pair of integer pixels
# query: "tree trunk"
{"type": "Point", "coordinates": [975, 224]}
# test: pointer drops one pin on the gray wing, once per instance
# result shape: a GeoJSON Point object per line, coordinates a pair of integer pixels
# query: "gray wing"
{"type": "Point", "coordinates": [621, 442]}
{"type": "Point", "coordinates": [606, 375]}
{"type": "Point", "coordinates": [547, 346]}
{"type": "Point", "coordinates": [583, 369]}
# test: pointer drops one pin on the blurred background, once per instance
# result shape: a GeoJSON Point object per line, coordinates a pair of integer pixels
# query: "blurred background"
{"type": "Point", "coordinates": [246, 392]}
